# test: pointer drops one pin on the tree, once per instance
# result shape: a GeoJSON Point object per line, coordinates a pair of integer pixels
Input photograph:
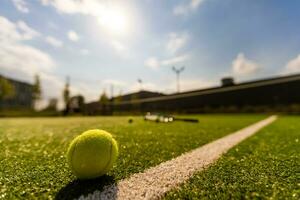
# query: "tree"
{"type": "Point", "coordinates": [76, 104]}
{"type": "Point", "coordinates": [36, 90]}
{"type": "Point", "coordinates": [66, 94]}
{"type": "Point", "coordinates": [80, 103]}
{"type": "Point", "coordinates": [7, 90]}
{"type": "Point", "coordinates": [104, 103]}
{"type": "Point", "coordinates": [117, 99]}
{"type": "Point", "coordinates": [66, 97]}
{"type": "Point", "coordinates": [52, 105]}
{"type": "Point", "coordinates": [103, 98]}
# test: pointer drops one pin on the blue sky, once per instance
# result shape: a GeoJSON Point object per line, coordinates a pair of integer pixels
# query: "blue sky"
{"type": "Point", "coordinates": [99, 43]}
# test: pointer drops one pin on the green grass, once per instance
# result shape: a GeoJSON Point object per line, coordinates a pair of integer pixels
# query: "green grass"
{"type": "Point", "coordinates": [32, 150]}
{"type": "Point", "coordinates": [266, 166]}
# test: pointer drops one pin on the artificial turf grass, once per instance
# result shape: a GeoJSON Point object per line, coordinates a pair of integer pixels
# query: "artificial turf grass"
{"type": "Point", "coordinates": [266, 166]}
{"type": "Point", "coordinates": [32, 151]}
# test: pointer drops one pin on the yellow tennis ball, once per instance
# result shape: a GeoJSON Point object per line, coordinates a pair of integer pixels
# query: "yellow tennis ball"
{"type": "Point", "coordinates": [92, 154]}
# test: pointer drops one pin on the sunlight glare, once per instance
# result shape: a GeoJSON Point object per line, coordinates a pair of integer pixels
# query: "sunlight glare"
{"type": "Point", "coordinates": [115, 21]}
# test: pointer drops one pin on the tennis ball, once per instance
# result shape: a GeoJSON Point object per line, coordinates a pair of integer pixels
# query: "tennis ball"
{"type": "Point", "coordinates": [130, 120]}
{"type": "Point", "coordinates": [92, 154]}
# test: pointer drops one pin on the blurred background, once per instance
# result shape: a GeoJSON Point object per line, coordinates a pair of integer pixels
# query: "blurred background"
{"type": "Point", "coordinates": [105, 57]}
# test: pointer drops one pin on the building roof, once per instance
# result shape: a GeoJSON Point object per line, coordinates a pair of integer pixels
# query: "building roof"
{"type": "Point", "coordinates": [143, 94]}
{"type": "Point", "coordinates": [240, 86]}
{"type": "Point", "coordinates": [16, 81]}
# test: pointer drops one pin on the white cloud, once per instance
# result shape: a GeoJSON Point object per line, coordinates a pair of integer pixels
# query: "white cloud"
{"type": "Point", "coordinates": [184, 9]}
{"type": "Point", "coordinates": [121, 49]}
{"type": "Point", "coordinates": [152, 62]}
{"type": "Point", "coordinates": [22, 61]}
{"type": "Point", "coordinates": [293, 66]}
{"type": "Point", "coordinates": [9, 31]}
{"type": "Point", "coordinates": [155, 63]}
{"type": "Point", "coordinates": [84, 52]}
{"type": "Point", "coordinates": [16, 55]}
{"type": "Point", "coordinates": [21, 6]}
{"type": "Point", "coordinates": [51, 87]}
{"type": "Point", "coordinates": [176, 41]}
{"type": "Point", "coordinates": [27, 32]}
{"type": "Point", "coordinates": [53, 41]}
{"type": "Point", "coordinates": [94, 8]}
{"type": "Point", "coordinates": [118, 46]}
{"type": "Point", "coordinates": [114, 82]}
{"type": "Point", "coordinates": [15, 31]}
{"type": "Point", "coordinates": [175, 60]}
{"type": "Point", "coordinates": [169, 87]}
{"type": "Point", "coordinates": [90, 92]}
{"type": "Point", "coordinates": [52, 25]}
{"type": "Point", "coordinates": [186, 84]}
{"type": "Point", "coordinates": [242, 66]}
{"type": "Point", "coordinates": [192, 84]}
{"type": "Point", "coordinates": [91, 7]}
{"type": "Point", "coordinates": [145, 86]}
{"type": "Point", "coordinates": [112, 16]}
{"type": "Point", "coordinates": [73, 36]}
{"type": "Point", "coordinates": [195, 3]}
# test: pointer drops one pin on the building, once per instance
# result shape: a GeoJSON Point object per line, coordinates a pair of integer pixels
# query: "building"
{"type": "Point", "coordinates": [22, 98]}
{"type": "Point", "coordinates": [98, 108]}
{"type": "Point", "coordinates": [76, 104]}
{"type": "Point", "coordinates": [274, 94]}
{"type": "Point", "coordinates": [138, 95]}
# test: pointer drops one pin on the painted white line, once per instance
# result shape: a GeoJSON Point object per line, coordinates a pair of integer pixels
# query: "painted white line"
{"type": "Point", "coordinates": [156, 181]}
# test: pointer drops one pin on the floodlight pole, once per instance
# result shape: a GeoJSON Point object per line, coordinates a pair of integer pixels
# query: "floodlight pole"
{"type": "Point", "coordinates": [178, 71]}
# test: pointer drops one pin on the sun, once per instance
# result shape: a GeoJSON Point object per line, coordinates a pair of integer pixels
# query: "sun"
{"type": "Point", "coordinates": [115, 21]}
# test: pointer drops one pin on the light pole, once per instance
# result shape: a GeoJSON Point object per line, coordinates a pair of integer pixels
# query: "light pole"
{"type": "Point", "coordinates": [178, 71]}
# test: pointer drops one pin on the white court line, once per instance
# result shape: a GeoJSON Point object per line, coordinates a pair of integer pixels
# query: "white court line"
{"type": "Point", "coordinates": [154, 182]}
